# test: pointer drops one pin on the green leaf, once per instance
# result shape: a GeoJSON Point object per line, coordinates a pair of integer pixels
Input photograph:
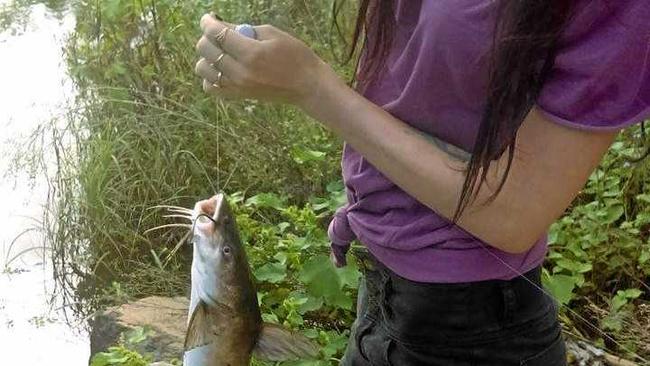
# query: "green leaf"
{"type": "Point", "coordinates": [312, 304]}
{"type": "Point", "coordinates": [618, 302]}
{"type": "Point", "coordinates": [137, 336]}
{"type": "Point", "coordinates": [644, 256]}
{"type": "Point", "coordinates": [302, 156]}
{"type": "Point", "coordinates": [644, 197]}
{"type": "Point", "coordinates": [613, 213]}
{"type": "Point", "coordinates": [560, 286]}
{"type": "Point", "coordinates": [553, 234]}
{"type": "Point", "coordinates": [632, 293]}
{"type": "Point", "coordinates": [334, 343]}
{"type": "Point", "coordinates": [271, 272]}
{"type": "Point", "coordinates": [340, 299]}
{"type": "Point", "coordinates": [100, 359]}
{"type": "Point", "coordinates": [643, 218]}
{"type": "Point", "coordinates": [574, 266]}
{"type": "Point", "coordinates": [335, 186]}
{"type": "Point", "coordinates": [270, 318]}
{"type": "Point", "coordinates": [294, 318]}
{"type": "Point", "coordinates": [612, 323]}
{"type": "Point", "coordinates": [349, 275]}
{"type": "Point", "coordinates": [321, 279]}
{"type": "Point", "coordinates": [283, 226]}
{"type": "Point", "coordinates": [281, 257]}
{"type": "Point", "coordinates": [306, 303]}
{"type": "Point", "coordinates": [270, 200]}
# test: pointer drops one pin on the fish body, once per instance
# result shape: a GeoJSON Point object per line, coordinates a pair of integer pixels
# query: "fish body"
{"type": "Point", "coordinates": [225, 326]}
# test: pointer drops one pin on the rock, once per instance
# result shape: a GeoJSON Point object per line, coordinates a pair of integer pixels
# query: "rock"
{"type": "Point", "coordinates": [165, 317]}
{"type": "Point", "coordinates": [581, 353]}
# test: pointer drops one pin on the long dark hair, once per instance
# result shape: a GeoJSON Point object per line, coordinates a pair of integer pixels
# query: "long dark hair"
{"type": "Point", "coordinates": [523, 50]}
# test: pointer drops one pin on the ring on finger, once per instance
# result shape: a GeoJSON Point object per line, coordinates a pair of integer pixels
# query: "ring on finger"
{"type": "Point", "coordinates": [217, 84]}
{"type": "Point", "coordinates": [217, 63]}
{"type": "Point", "coordinates": [221, 36]}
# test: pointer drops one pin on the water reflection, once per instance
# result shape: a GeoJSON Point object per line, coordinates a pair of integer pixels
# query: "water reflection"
{"type": "Point", "coordinates": [15, 15]}
{"type": "Point", "coordinates": [34, 86]}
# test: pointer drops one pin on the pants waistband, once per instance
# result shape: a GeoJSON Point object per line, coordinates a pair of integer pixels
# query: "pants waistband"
{"type": "Point", "coordinates": [419, 312]}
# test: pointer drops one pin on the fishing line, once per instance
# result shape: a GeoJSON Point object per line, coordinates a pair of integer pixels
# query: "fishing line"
{"type": "Point", "coordinates": [218, 152]}
{"type": "Point", "coordinates": [574, 313]}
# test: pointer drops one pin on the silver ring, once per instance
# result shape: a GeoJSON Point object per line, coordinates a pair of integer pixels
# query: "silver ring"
{"type": "Point", "coordinates": [246, 30]}
{"type": "Point", "coordinates": [217, 84]}
{"type": "Point", "coordinates": [217, 63]}
{"type": "Point", "coordinates": [220, 38]}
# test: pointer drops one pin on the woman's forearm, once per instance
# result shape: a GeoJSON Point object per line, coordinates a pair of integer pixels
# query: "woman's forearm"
{"type": "Point", "coordinates": [398, 150]}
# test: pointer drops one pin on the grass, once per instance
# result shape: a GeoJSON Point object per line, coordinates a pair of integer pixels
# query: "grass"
{"type": "Point", "coordinates": [142, 133]}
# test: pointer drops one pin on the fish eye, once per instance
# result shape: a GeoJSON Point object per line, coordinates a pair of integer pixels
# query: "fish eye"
{"type": "Point", "coordinates": [227, 250]}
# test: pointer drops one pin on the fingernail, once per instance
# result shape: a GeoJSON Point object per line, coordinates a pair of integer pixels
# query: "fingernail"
{"type": "Point", "coordinates": [216, 16]}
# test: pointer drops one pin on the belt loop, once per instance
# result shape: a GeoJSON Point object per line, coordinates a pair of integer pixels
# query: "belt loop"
{"type": "Point", "coordinates": [509, 301]}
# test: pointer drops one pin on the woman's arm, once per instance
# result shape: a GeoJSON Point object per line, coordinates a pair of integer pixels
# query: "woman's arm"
{"type": "Point", "coordinates": [550, 166]}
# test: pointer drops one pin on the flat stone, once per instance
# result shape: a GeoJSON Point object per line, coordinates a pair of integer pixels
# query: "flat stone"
{"type": "Point", "coordinates": [165, 317]}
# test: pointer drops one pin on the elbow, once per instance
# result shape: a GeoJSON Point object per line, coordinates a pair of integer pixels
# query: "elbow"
{"type": "Point", "coordinates": [516, 238]}
{"type": "Point", "coordinates": [519, 247]}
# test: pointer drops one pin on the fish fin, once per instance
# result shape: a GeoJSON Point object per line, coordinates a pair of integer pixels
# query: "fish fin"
{"type": "Point", "coordinates": [199, 331]}
{"type": "Point", "coordinates": [276, 343]}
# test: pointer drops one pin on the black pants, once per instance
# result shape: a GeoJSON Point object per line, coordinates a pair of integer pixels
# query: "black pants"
{"type": "Point", "coordinates": [501, 323]}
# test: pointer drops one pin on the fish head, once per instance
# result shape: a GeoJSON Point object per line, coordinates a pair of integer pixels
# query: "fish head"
{"type": "Point", "coordinates": [220, 262]}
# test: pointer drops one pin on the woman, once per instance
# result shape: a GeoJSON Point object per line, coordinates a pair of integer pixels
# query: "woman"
{"type": "Point", "coordinates": [535, 90]}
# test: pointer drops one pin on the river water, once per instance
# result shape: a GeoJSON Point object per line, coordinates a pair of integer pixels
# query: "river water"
{"type": "Point", "coordinates": [34, 88]}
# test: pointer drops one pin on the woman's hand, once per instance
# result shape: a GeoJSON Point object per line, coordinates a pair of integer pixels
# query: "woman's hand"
{"type": "Point", "coordinates": [274, 67]}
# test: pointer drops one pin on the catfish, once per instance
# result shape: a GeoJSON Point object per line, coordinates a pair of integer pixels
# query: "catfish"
{"type": "Point", "coordinates": [225, 326]}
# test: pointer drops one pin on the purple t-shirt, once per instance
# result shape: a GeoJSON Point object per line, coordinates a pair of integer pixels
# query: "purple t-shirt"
{"type": "Point", "coordinates": [435, 80]}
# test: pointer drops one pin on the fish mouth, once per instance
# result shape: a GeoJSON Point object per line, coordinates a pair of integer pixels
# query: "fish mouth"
{"type": "Point", "coordinates": [212, 207]}
{"type": "Point", "coordinates": [209, 214]}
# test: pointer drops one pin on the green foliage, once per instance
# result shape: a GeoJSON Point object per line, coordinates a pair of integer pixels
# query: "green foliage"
{"type": "Point", "coordinates": [124, 353]}
{"type": "Point", "coordinates": [620, 309]}
{"type": "Point", "coordinates": [600, 250]}
{"type": "Point", "coordinates": [606, 232]}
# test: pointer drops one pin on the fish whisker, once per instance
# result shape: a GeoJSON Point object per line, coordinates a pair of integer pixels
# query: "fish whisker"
{"type": "Point", "coordinates": [170, 207]}
{"type": "Point", "coordinates": [187, 213]}
{"type": "Point", "coordinates": [180, 216]}
{"type": "Point", "coordinates": [188, 226]}
{"type": "Point", "coordinates": [177, 247]}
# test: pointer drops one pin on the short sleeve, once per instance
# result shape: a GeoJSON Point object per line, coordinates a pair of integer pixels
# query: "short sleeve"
{"type": "Point", "coordinates": [601, 77]}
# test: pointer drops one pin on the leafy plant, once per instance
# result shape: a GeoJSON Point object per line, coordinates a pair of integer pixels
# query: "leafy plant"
{"type": "Point", "coordinates": [124, 353]}
{"type": "Point", "coordinates": [620, 309]}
